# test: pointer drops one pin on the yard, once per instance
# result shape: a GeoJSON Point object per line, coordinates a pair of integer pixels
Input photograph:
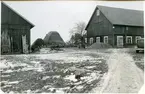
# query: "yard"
{"type": "Point", "coordinates": [54, 72]}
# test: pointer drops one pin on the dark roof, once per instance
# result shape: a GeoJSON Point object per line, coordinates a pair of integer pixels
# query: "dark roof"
{"type": "Point", "coordinates": [120, 16]}
{"type": "Point", "coordinates": [32, 25]}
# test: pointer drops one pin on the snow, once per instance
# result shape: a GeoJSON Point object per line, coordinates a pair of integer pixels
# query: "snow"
{"type": "Point", "coordinates": [79, 87]}
{"type": "Point", "coordinates": [123, 75]}
{"type": "Point", "coordinates": [38, 69]}
{"type": "Point", "coordinates": [7, 86]}
{"type": "Point", "coordinates": [71, 77]}
{"type": "Point", "coordinates": [8, 71]}
{"type": "Point", "coordinates": [3, 64]}
{"type": "Point", "coordinates": [90, 67]}
{"type": "Point", "coordinates": [11, 92]}
{"type": "Point", "coordinates": [70, 57]}
{"type": "Point", "coordinates": [5, 75]}
{"type": "Point", "coordinates": [47, 86]}
{"type": "Point", "coordinates": [35, 62]}
{"type": "Point", "coordinates": [56, 76]}
{"type": "Point", "coordinates": [46, 77]}
{"type": "Point", "coordinates": [14, 82]}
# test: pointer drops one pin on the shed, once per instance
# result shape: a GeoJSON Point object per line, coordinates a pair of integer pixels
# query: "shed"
{"type": "Point", "coordinates": [15, 31]}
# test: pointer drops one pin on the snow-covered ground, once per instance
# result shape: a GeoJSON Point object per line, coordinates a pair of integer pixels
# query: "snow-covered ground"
{"type": "Point", "coordinates": [106, 70]}
{"type": "Point", "coordinates": [53, 71]}
{"type": "Point", "coordinates": [123, 75]}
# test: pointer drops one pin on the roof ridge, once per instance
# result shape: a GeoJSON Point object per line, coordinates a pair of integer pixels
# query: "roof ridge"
{"type": "Point", "coordinates": [119, 8]}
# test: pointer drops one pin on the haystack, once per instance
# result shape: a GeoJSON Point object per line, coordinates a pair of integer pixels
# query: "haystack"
{"type": "Point", "coordinates": [100, 46]}
{"type": "Point", "coordinates": [53, 37]}
{"type": "Point", "coordinates": [37, 44]}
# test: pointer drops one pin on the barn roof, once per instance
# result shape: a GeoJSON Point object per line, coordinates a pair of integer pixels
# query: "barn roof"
{"type": "Point", "coordinates": [120, 16]}
{"type": "Point", "coordinates": [32, 25]}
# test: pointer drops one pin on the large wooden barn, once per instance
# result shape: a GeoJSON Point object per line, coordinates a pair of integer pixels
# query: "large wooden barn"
{"type": "Point", "coordinates": [115, 26]}
{"type": "Point", "coordinates": [15, 31]}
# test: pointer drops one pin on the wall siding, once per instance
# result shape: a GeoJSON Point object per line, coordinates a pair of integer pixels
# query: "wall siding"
{"type": "Point", "coordinates": [132, 31]}
{"type": "Point", "coordinates": [100, 26]}
{"type": "Point", "coordinates": [16, 26]}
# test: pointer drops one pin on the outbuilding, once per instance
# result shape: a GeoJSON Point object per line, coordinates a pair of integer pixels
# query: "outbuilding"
{"type": "Point", "coordinates": [15, 31]}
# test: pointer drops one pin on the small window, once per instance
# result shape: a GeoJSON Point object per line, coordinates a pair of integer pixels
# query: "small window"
{"type": "Point", "coordinates": [97, 39]}
{"type": "Point", "coordinates": [98, 12]}
{"type": "Point", "coordinates": [137, 38]}
{"type": "Point", "coordinates": [129, 39]}
{"type": "Point", "coordinates": [85, 40]}
{"type": "Point", "coordinates": [126, 28]}
{"type": "Point", "coordinates": [105, 39]}
{"type": "Point", "coordinates": [91, 40]}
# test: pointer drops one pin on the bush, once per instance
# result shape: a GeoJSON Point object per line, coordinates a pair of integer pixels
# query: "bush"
{"type": "Point", "coordinates": [37, 45]}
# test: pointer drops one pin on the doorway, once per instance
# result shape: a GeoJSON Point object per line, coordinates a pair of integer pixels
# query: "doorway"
{"type": "Point", "coordinates": [120, 41]}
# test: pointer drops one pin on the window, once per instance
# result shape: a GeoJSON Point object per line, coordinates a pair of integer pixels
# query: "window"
{"type": "Point", "coordinates": [91, 40]}
{"type": "Point", "coordinates": [126, 28]}
{"type": "Point", "coordinates": [137, 38]}
{"type": "Point", "coordinates": [129, 39]}
{"type": "Point", "coordinates": [97, 39]}
{"type": "Point", "coordinates": [85, 40]}
{"type": "Point", "coordinates": [98, 12]}
{"type": "Point", "coordinates": [105, 39]}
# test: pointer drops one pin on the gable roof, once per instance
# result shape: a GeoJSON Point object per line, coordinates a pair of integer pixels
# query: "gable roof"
{"type": "Point", "coordinates": [2, 3]}
{"type": "Point", "coordinates": [120, 16]}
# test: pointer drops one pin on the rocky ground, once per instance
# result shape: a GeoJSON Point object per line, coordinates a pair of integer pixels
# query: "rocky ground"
{"type": "Point", "coordinates": [106, 70]}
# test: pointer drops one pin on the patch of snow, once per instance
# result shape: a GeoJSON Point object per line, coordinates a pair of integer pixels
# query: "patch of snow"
{"type": "Point", "coordinates": [7, 86]}
{"type": "Point", "coordinates": [5, 75]}
{"type": "Point", "coordinates": [59, 91]}
{"type": "Point", "coordinates": [71, 77]}
{"type": "Point", "coordinates": [79, 87]}
{"type": "Point", "coordinates": [14, 82]}
{"type": "Point", "coordinates": [56, 76]}
{"type": "Point", "coordinates": [85, 78]}
{"type": "Point", "coordinates": [27, 69]}
{"type": "Point", "coordinates": [39, 69]}
{"type": "Point", "coordinates": [8, 71]}
{"type": "Point", "coordinates": [46, 77]}
{"type": "Point", "coordinates": [11, 92]}
{"type": "Point", "coordinates": [90, 67]}
{"type": "Point", "coordinates": [34, 62]}
{"type": "Point", "coordinates": [47, 86]}
{"type": "Point", "coordinates": [3, 64]}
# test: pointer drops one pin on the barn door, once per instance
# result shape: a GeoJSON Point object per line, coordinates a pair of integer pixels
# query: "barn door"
{"type": "Point", "coordinates": [24, 44]}
{"type": "Point", "coordinates": [119, 41]}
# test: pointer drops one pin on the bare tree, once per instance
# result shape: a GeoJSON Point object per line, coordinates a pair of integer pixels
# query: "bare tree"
{"type": "Point", "coordinates": [79, 29]}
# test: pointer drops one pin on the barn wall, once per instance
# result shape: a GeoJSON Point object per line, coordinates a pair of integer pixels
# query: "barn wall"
{"type": "Point", "coordinates": [13, 27]}
{"type": "Point", "coordinates": [100, 26]}
{"type": "Point", "coordinates": [131, 31]}
{"type": "Point", "coordinates": [15, 34]}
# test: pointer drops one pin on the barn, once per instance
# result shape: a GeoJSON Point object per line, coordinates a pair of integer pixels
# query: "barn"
{"type": "Point", "coordinates": [15, 31]}
{"type": "Point", "coordinates": [116, 26]}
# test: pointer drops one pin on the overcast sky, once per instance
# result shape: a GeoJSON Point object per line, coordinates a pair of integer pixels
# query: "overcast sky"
{"type": "Point", "coordinates": [61, 16]}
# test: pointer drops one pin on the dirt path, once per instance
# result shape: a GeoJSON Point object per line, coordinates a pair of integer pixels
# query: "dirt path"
{"type": "Point", "coordinates": [123, 76]}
